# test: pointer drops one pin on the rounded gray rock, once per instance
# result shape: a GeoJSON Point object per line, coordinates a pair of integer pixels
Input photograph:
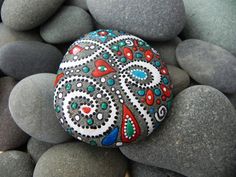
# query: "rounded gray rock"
{"type": "Point", "coordinates": [140, 170]}
{"type": "Point", "coordinates": [31, 106]}
{"type": "Point", "coordinates": [180, 79]}
{"type": "Point", "coordinates": [167, 50]}
{"type": "Point", "coordinates": [24, 58]}
{"type": "Point", "coordinates": [27, 14]}
{"type": "Point", "coordinates": [36, 148]}
{"type": "Point", "coordinates": [11, 136]}
{"type": "Point", "coordinates": [208, 64]}
{"type": "Point", "coordinates": [79, 3]}
{"type": "Point", "coordinates": [80, 160]}
{"type": "Point", "coordinates": [16, 164]}
{"type": "Point", "coordinates": [212, 21]}
{"type": "Point", "coordinates": [69, 24]}
{"type": "Point", "coordinates": [197, 139]}
{"type": "Point", "coordinates": [157, 20]}
{"type": "Point", "coordinates": [8, 35]}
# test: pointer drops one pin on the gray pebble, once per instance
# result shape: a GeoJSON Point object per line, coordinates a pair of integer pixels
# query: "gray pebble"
{"type": "Point", "coordinates": [69, 24]}
{"type": "Point", "coordinates": [208, 64]}
{"type": "Point", "coordinates": [80, 160]}
{"type": "Point", "coordinates": [167, 50]}
{"type": "Point", "coordinates": [11, 136]}
{"type": "Point", "coordinates": [36, 148]}
{"type": "Point", "coordinates": [212, 21]}
{"type": "Point", "coordinates": [23, 15]}
{"type": "Point", "coordinates": [24, 58]}
{"type": "Point", "coordinates": [198, 138]}
{"type": "Point", "coordinates": [31, 106]}
{"type": "Point", "coordinates": [140, 170]}
{"type": "Point", "coordinates": [179, 78]}
{"type": "Point", "coordinates": [16, 164]}
{"type": "Point", "coordinates": [158, 20]}
{"type": "Point", "coordinates": [8, 35]}
{"type": "Point", "coordinates": [79, 3]}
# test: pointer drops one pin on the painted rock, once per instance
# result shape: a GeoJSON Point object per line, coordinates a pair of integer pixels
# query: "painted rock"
{"type": "Point", "coordinates": [111, 89]}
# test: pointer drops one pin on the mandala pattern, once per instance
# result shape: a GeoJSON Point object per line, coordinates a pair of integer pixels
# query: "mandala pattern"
{"type": "Point", "coordinates": [111, 89]}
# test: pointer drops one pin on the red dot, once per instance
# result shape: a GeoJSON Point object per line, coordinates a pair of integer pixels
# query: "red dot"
{"type": "Point", "coordinates": [141, 49]}
{"type": "Point", "coordinates": [119, 53]}
{"type": "Point", "coordinates": [163, 98]}
{"type": "Point", "coordinates": [135, 48]}
{"type": "Point", "coordinates": [158, 101]}
{"type": "Point", "coordinates": [142, 100]}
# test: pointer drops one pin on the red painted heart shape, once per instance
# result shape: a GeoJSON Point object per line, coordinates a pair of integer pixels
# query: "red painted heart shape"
{"type": "Point", "coordinates": [102, 68]}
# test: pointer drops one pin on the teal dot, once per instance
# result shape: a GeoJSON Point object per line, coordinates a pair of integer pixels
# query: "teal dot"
{"type": "Point", "coordinates": [138, 55]}
{"type": "Point", "coordinates": [68, 87]}
{"type": "Point", "coordinates": [104, 106]}
{"type": "Point", "coordinates": [90, 121]}
{"type": "Point", "coordinates": [141, 92]}
{"type": "Point", "coordinates": [86, 69]}
{"type": "Point", "coordinates": [157, 92]}
{"type": "Point", "coordinates": [115, 47]}
{"type": "Point", "coordinates": [74, 105]}
{"type": "Point", "coordinates": [58, 109]}
{"type": "Point", "coordinates": [110, 82]}
{"type": "Point", "coordinates": [157, 63]}
{"type": "Point", "coordinates": [141, 43]}
{"type": "Point", "coordinates": [93, 143]}
{"type": "Point", "coordinates": [152, 110]}
{"type": "Point", "coordinates": [69, 130]}
{"type": "Point", "coordinates": [90, 88]}
{"type": "Point", "coordinates": [122, 43]}
{"type": "Point", "coordinates": [123, 60]}
{"type": "Point", "coordinates": [106, 55]}
{"type": "Point", "coordinates": [165, 80]}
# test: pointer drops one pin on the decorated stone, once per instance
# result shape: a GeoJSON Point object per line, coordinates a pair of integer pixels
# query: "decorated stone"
{"type": "Point", "coordinates": [111, 89]}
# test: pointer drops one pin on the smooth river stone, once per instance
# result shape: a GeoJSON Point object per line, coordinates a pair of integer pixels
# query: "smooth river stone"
{"type": "Point", "coordinates": [167, 50]}
{"type": "Point", "coordinates": [158, 20]}
{"type": "Point", "coordinates": [140, 170]}
{"type": "Point", "coordinates": [112, 89]}
{"type": "Point", "coordinates": [16, 164]}
{"type": "Point", "coordinates": [11, 136]}
{"type": "Point", "coordinates": [197, 139]}
{"type": "Point", "coordinates": [212, 21]}
{"type": "Point", "coordinates": [8, 35]}
{"type": "Point", "coordinates": [31, 106]}
{"type": "Point", "coordinates": [208, 64]}
{"type": "Point", "coordinates": [36, 148]}
{"type": "Point", "coordinates": [22, 15]}
{"type": "Point", "coordinates": [69, 24]}
{"type": "Point", "coordinates": [79, 3]}
{"type": "Point", "coordinates": [80, 160]}
{"type": "Point", "coordinates": [180, 79]}
{"type": "Point", "coordinates": [24, 58]}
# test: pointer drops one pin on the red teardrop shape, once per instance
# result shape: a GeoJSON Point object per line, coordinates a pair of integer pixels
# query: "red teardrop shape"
{"type": "Point", "coordinates": [165, 90]}
{"type": "Point", "coordinates": [149, 55]}
{"type": "Point", "coordinates": [76, 49]}
{"type": "Point", "coordinates": [107, 68]}
{"type": "Point", "coordinates": [128, 53]}
{"type": "Point", "coordinates": [59, 76]}
{"type": "Point", "coordinates": [128, 133]}
{"type": "Point", "coordinates": [149, 97]}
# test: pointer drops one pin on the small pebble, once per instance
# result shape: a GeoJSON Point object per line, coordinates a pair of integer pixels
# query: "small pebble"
{"type": "Point", "coordinates": [208, 64]}
{"type": "Point", "coordinates": [31, 107]}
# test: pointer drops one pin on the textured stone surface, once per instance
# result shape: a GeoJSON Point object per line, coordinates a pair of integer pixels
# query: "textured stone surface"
{"type": "Point", "coordinates": [69, 24]}
{"type": "Point", "coordinates": [11, 136]}
{"type": "Point", "coordinates": [112, 89]}
{"type": "Point", "coordinates": [36, 148]}
{"type": "Point", "coordinates": [167, 50]}
{"type": "Point", "coordinates": [9, 35]}
{"type": "Point", "coordinates": [212, 21]}
{"type": "Point", "coordinates": [140, 170]}
{"type": "Point", "coordinates": [31, 106]}
{"type": "Point", "coordinates": [208, 64]}
{"type": "Point", "coordinates": [197, 139]}
{"type": "Point", "coordinates": [27, 14]}
{"type": "Point", "coordinates": [80, 160]}
{"type": "Point", "coordinates": [24, 58]}
{"type": "Point", "coordinates": [154, 20]}
{"type": "Point", "coordinates": [16, 164]}
{"type": "Point", "coordinates": [179, 78]}
{"type": "Point", "coordinates": [78, 3]}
